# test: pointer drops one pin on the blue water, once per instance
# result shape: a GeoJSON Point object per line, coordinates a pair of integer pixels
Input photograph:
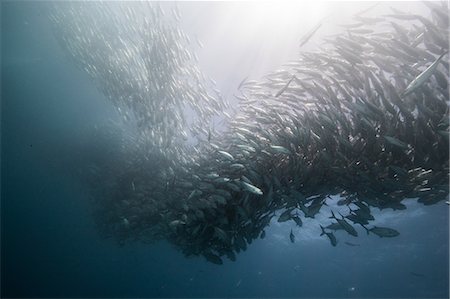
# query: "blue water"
{"type": "Point", "coordinates": [50, 246]}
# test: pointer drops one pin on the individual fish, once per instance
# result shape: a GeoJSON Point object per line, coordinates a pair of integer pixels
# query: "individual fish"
{"type": "Point", "coordinates": [297, 220]}
{"type": "Point", "coordinates": [334, 226]}
{"type": "Point", "coordinates": [213, 258]}
{"type": "Point", "coordinates": [422, 77]}
{"type": "Point", "coordinates": [357, 219]}
{"type": "Point", "coordinates": [237, 166]}
{"type": "Point", "coordinates": [292, 237]}
{"type": "Point", "coordinates": [417, 274]}
{"type": "Point", "coordinates": [383, 232]}
{"type": "Point", "coordinates": [226, 155]}
{"type": "Point", "coordinates": [351, 244]}
{"type": "Point", "coordinates": [280, 149]}
{"type": "Point", "coordinates": [330, 236]}
{"type": "Point", "coordinates": [310, 34]}
{"type": "Point", "coordinates": [239, 283]}
{"type": "Point", "coordinates": [250, 188]}
{"type": "Point", "coordinates": [284, 87]}
{"type": "Point", "coordinates": [395, 142]}
{"type": "Point", "coordinates": [345, 225]}
{"type": "Point", "coordinates": [263, 234]}
{"type": "Point", "coordinates": [176, 223]}
{"type": "Point", "coordinates": [285, 216]}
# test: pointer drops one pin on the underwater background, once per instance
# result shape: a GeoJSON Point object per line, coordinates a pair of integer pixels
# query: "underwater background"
{"type": "Point", "coordinates": [50, 246]}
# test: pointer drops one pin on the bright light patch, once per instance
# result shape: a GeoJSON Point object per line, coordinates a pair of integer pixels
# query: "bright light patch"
{"type": "Point", "coordinates": [278, 16]}
{"type": "Point", "coordinates": [256, 37]}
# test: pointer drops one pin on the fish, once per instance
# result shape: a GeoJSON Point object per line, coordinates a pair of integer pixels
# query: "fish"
{"type": "Point", "coordinates": [263, 234]}
{"type": "Point", "coordinates": [357, 219]}
{"type": "Point", "coordinates": [252, 189]}
{"type": "Point", "coordinates": [330, 236]}
{"type": "Point", "coordinates": [422, 77]}
{"type": "Point", "coordinates": [285, 216]}
{"type": "Point", "coordinates": [334, 226]}
{"type": "Point", "coordinates": [395, 142]}
{"type": "Point", "coordinates": [345, 225]}
{"type": "Point", "coordinates": [237, 166]}
{"type": "Point", "coordinates": [213, 258]}
{"type": "Point", "coordinates": [280, 149]}
{"type": "Point", "coordinates": [292, 237]}
{"type": "Point", "coordinates": [238, 283]}
{"type": "Point", "coordinates": [310, 34]}
{"type": "Point", "coordinates": [284, 87]}
{"type": "Point", "coordinates": [351, 119]}
{"type": "Point", "coordinates": [352, 244]}
{"type": "Point", "coordinates": [297, 220]}
{"type": "Point", "coordinates": [226, 155]}
{"type": "Point", "coordinates": [383, 232]}
{"type": "Point", "coordinates": [417, 274]}
{"type": "Point", "coordinates": [176, 223]}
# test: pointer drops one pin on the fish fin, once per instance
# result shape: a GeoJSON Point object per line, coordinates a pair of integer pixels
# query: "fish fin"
{"type": "Point", "coordinates": [323, 230]}
{"type": "Point", "coordinates": [367, 230]}
{"type": "Point", "coordinates": [332, 216]}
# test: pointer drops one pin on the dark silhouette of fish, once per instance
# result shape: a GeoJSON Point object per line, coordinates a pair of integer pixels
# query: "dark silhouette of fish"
{"type": "Point", "coordinates": [351, 244]}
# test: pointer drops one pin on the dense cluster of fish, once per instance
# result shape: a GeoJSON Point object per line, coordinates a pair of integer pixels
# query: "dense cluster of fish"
{"type": "Point", "coordinates": [144, 65]}
{"type": "Point", "coordinates": [366, 118]}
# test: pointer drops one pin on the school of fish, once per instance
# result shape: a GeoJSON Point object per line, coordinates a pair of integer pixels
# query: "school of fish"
{"type": "Point", "coordinates": [365, 117]}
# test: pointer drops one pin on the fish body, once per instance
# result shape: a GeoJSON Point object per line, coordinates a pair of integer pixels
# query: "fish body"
{"type": "Point", "coordinates": [345, 225]}
{"type": "Point", "coordinates": [250, 188]}
{"type": "Point", "coordinates": [226, 155]}
{"type": "Point", "coordinates": [395, 142]}
{"type": "Point", "coordinates": [285, 216]}
{"type": "Point", "coordinates": [280, 149]}
{"type": "Point", "coordinates": [330, 236]}
{"type": "Point", "coordinates": [213, 258]}
{"type": "Point", "coordinates": [308, 35]}
{"type": "Point", "coordinates": [292, 237]}
{"type": "Point", "coordinates": [263, 234]}
{"type": "Point", "coordinates": [284, 87]}
{"type": "Point", "coordinates": [297, 220]}
{"type": "Point", "coordinates": [423, 77]}
{"type": "Point", "coordinates": [334, 226]}
{"type": "Point", "coordinates": [383, 232]}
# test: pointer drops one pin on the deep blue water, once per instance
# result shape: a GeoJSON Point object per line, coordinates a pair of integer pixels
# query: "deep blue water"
{"type": "Point", "coordinates": [50, 246]}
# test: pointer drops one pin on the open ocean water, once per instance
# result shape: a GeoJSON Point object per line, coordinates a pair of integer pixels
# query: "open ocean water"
{"type": "Point", "coordinates": [51, 247]}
